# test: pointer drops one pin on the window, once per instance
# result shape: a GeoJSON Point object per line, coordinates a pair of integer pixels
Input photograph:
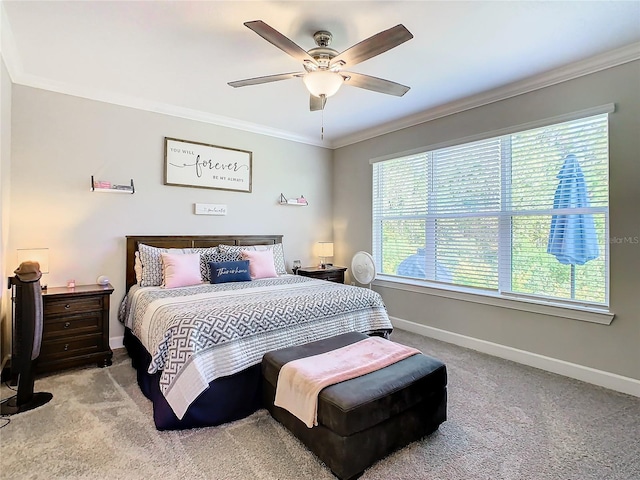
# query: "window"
{"type": "Point", "coordinates": [524, 213]}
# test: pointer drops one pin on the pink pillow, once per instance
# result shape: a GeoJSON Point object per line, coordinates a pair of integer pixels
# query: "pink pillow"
{"type": "Point", "coordinates": [260, 263]}
{"type": "Point", "coordinates": [180, 269]}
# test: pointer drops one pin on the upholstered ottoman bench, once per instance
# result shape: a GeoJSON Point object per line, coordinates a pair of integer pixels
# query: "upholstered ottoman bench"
{"type": "Point", "coordinates": [363, 419]}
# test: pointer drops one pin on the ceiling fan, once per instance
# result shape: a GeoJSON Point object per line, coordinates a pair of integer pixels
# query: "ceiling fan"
{"type": "Point", "coordinates": [323, 66]}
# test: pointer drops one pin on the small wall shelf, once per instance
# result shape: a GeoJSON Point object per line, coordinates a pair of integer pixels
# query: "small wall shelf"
{"type": "Point", "coordinates": [296, 202]}
{"type": "Point", "coordinates": [108, 187]}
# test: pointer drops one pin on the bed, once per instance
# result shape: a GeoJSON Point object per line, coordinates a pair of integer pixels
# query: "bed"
{"type": "Point", "coordinates": [197, 349]}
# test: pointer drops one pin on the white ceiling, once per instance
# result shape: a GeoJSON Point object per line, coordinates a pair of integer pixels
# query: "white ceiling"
{"type": "Point", "coordinates": [177, 57]}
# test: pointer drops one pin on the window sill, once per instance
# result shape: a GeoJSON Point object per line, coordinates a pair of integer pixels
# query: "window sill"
{"type": "Point", "coordinates": [585, 314]}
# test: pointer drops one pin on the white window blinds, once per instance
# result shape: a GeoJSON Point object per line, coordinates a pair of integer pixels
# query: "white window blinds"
{"type": "Point", "coordinates": [524, 213]}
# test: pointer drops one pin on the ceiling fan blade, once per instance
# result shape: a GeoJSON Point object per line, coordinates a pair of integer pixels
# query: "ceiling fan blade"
{"type": "Point", "coordinates": [373, 83]}
{"type": "Point", "coordinates": [317, 103]}
{"type": "Point", "coordinates": [279, 40]}
{"type": "Point", "coordinates": [267, 79]}
{"type": "Point", "coordinates": [375, 45]}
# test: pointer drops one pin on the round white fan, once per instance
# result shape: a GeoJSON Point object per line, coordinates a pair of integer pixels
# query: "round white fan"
{"type": "Point", "coordinates": [363, 268]}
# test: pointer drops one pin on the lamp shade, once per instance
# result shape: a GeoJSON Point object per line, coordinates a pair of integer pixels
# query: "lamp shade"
{"type": "Point", "coordinates": [40, 255]}
{"type": "Point", "coordinates": [323, 82]}
{"type": "Point", "coordinates": [326, 249]}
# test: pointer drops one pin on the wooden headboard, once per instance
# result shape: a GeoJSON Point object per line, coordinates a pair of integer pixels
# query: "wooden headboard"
{"type": "Point", "coordinates": [189, 241]}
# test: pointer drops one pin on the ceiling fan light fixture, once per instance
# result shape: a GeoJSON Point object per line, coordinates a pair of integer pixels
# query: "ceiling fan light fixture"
{"type": "Point", "coordinates": [323, 82]}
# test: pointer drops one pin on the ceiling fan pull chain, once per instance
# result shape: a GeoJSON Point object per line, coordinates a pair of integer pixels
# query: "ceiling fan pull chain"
{"type": "Point", "coordinates": [322, 118]}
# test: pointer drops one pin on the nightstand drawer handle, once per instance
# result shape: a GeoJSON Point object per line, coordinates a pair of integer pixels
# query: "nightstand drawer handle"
{"type": "Point", "coordinates": [67, 324]}
{"type": "Point", "coordinates": [67, 306]}
{"type": "Point", "coordinates": [66, 347]}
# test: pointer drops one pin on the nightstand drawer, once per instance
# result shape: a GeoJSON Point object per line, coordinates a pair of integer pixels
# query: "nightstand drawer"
{"type": "Point", "coordinates": [67, 347]}
{"type": "Point", "coordinates": [334, 277]}
{"type": "Point", "coordinates": [72, 325]}
{"type": "Point", "coordinates": [63, 306]}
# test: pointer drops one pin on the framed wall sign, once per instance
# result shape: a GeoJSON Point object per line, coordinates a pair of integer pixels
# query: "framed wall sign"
{"type": "Point", "coordinates": [193, 164]}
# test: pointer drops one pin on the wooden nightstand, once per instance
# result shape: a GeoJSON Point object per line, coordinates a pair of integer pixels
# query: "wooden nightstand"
{"type": "Point", "coordinates": [332, 274]}
{"type": "Point", "coordinates": [75, 327]}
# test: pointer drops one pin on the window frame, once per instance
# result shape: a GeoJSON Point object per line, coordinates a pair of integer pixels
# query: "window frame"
{"type": "Point", "coordinates": [503, 297]}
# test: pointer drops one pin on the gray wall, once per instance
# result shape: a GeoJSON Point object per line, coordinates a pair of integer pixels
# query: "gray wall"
{"type": "Point", "coordinates": [5, 173]}
{"type": "Point", "coordinates": [613, 348]}
{"type": "Point", "coordinates": [59, 141]}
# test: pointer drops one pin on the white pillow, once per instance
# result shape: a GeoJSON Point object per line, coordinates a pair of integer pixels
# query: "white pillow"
{"type": "Point", "coordinates": [137, 268]}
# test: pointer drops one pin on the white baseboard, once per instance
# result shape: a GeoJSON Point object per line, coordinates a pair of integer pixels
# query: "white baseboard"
{"type": "Point", "coordinates": [612, 381]}
{"type": "Point", "coordinates": [116, 342]}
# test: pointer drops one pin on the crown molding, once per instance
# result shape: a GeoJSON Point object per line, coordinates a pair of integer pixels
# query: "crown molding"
{"type": "Point", "coordinates": [159, 107]}
{"type": "Point", "coordinates": [11, 57]}
{"type": "Point", "coordinates": [594, 64]}
{"type": "Point", "coordinates": [8, 49]}
{"type": "Point", "coordinates": [10, 54]}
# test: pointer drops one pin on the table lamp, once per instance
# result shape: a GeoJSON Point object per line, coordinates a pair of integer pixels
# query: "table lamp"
{"type": "Point", "coordinates": [326, 250]}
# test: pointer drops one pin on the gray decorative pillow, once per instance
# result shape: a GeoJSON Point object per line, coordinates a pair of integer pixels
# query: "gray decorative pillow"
{"type": "Point", "coordinates": [151, 264]}
{"type": "Point", "coordinates": [208, 255]}
{"type": "Point", "coordinates": [205, 254]}
{"type": "Point", "coordinates": [278, 253]}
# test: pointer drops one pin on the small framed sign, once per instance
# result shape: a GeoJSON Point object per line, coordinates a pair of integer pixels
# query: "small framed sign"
{"type": "Point", "coordinates": [193, 164]}
{"type": "Point", "coordinates": [209, 209]}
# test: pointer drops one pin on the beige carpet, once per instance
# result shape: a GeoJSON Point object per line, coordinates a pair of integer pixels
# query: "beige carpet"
{"type": "Point", "coordinates": [506, 421]}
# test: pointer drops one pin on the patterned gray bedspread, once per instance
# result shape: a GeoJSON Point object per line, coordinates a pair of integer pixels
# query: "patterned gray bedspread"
{"type": "Point", "coordinates": [197, 334]}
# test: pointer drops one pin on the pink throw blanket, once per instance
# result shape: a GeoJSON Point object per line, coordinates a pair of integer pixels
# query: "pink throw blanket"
{"type": "Point", "coordinates": [300, 381]}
